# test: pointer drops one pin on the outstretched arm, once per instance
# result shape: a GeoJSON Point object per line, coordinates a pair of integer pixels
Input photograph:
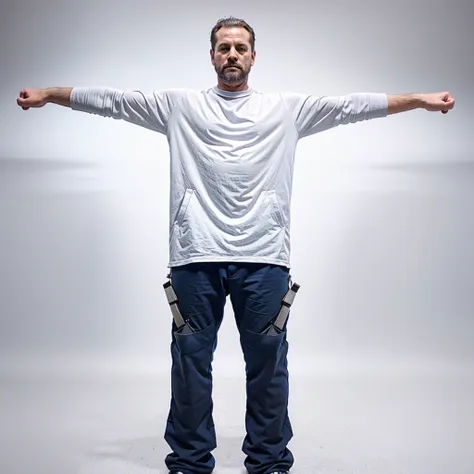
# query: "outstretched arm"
{"type": "Point", "coordinates": [151, 111]}
{"type": "Point", "coordinates": [312, 114]}
{"type": "Point", "coordinates": [437, 102]}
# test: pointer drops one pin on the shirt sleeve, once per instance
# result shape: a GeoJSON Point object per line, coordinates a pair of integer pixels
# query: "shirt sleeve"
{"type": "Point", "coordinates": [313, 114]}
{"type": "Point", "coordinates": [151, 111]}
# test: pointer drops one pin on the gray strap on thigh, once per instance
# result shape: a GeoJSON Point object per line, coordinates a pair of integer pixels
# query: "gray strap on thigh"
{"type": "Point", "coordinates": [173, 302]}
{"type": "Point", "coordinates": [286, 303]}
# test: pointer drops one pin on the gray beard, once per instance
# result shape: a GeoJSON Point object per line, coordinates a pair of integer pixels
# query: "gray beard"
{"type": "Point", "coordinates": [232, 77]}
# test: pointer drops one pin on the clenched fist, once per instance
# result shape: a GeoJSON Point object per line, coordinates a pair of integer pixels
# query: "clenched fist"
{"type": "Point", "coordinates": [438, 102]}
{"type": "Point", "coordinates": [32, 98]}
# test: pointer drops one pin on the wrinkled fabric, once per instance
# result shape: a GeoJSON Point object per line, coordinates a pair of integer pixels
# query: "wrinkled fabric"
{"type": "Point", "coordinates": [232, 160]}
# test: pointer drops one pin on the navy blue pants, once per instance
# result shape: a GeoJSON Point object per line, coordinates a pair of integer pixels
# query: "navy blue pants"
{"type": "Point", "coordinates": [256, 291]}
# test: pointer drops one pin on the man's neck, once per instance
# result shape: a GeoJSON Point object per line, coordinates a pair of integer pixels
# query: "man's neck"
{"type": "Point", "coordinates": [232, 88]}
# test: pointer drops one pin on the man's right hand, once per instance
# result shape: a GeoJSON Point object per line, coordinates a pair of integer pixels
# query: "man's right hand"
{"type": "Point", "coordinates": [32, 98]}
{"type": "Point", "coordinates": [40, 97]}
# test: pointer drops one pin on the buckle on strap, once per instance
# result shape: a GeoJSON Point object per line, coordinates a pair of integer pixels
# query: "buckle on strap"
{"type": "Point", "coordinates": [173, 302]}
{"type": "Point", "coordinates": [286, 303]}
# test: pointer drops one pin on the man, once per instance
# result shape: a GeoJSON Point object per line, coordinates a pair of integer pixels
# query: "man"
{"type": "Point", "coordinates": [231, 151]}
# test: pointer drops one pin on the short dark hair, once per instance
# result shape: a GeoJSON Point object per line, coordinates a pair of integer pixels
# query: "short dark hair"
{"type": "Point", "coordinates": [230, 22]}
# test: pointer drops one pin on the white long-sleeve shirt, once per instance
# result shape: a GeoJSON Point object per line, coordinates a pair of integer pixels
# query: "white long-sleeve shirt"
{"type": "Point", "coordinates": [232, 156]}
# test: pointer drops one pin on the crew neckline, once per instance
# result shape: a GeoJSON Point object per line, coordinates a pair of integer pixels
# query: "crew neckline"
{"type": "Point", "coordinates": [232, 94]}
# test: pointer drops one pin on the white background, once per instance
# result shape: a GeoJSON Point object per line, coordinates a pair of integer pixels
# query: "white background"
{"type": "Point", "coordinates": [382, 211]}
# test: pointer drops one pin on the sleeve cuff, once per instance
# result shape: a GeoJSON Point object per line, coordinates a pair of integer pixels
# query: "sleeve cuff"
{"type": "Point", "coordinates": [378, 107]}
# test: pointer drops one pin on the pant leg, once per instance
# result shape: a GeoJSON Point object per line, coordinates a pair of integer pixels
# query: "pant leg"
{"type": "Point", "coordinates": [190, 427]}
{"type": "Point", "coordinates": [256, 292]}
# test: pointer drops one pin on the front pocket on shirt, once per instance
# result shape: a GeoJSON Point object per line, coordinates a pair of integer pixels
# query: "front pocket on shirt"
{"type": "Point", "coordinates": [189, 193]}
{"type": "Point", "coordinates": [276, 210]}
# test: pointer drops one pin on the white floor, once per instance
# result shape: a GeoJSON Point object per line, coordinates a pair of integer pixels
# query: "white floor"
{"type": "Point", "coordinates": [109, 419]}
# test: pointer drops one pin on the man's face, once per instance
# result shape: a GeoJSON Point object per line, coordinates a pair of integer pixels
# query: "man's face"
{"type": "Point", "coordinates": [233, 57]}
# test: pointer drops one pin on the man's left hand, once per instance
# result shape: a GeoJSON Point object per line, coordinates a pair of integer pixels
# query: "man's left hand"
{"type": "Point", "coordinates": [438, 102]}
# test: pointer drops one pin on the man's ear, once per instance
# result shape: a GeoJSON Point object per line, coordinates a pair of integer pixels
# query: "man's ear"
{"type": "Point", "coordinates": [254, 54]}
{"type": "Point", "coordinates": [211, 52]}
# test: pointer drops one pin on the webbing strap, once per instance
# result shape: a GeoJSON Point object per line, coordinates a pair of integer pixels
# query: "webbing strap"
{"type": "Point", "coordinates": [286, 303]}
{"type": "Point", "coordinates": [173, 302]}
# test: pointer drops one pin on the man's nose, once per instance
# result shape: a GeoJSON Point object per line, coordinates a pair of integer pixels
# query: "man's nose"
{"type": "Point", "coordinates": [232, 54]}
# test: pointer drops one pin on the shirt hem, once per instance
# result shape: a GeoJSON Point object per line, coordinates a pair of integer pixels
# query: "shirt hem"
{"type": "Point", "coordinates": [270, 261]}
